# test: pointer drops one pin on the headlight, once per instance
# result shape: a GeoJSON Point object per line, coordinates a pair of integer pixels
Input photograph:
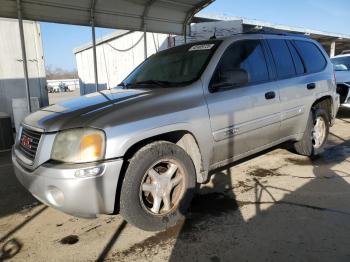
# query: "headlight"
{"type": "Point", "coordinates": [79, 145]}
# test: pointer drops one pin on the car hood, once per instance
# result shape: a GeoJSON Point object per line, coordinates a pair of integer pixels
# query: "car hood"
{"type": "Point", "coordinates": [77, 112]}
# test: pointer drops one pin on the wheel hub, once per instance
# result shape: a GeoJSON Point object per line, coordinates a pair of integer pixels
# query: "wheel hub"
{"type": "Point", "coordinates": [162, 187]}
{"type": "Point", "coordinates": [319, 132]}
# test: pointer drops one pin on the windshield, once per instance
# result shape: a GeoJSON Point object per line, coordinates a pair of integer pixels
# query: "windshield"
{"type": "Point", "coordinates": [175, 66]}
{"type": "Point", "coordinates": [341, 63]}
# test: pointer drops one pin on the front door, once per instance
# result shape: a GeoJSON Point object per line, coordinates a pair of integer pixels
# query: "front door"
{"type": "Point", "coordinates": [243, 104]}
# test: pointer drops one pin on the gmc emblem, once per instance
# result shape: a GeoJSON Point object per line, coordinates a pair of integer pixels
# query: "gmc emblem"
{"type": "Point", "coordinates": [26, 141]}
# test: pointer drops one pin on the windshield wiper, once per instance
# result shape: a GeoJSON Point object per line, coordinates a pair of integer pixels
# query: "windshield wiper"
{"type": "Point", "coordinates": [123, 84]}
{"type": "Point", "coordinates": [153, 82]}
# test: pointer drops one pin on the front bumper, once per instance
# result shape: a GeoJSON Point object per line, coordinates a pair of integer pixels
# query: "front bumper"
{"type": "Point", "coordinates": [57, 186]}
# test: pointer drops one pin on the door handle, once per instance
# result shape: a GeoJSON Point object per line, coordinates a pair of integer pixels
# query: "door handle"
{"type": "Point", "coordinates": [270, 95]}
{"type": "Point", "coordinates": [311, 86]}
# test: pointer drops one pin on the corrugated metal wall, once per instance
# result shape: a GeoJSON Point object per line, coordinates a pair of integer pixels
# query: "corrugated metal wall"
{"type": "Point", "coordinates": [11, 67]}
{"type": "Point", "coordinates": [116, 59]}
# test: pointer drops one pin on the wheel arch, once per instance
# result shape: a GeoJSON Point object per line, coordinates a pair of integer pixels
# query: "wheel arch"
{"type": "Point", "coordinates": [326, 103]}
{"type": "Point", "coordinates": [183, 138]}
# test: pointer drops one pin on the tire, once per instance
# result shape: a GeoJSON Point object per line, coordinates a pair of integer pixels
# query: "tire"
{"type": "Point", "coordinates": [307, 145]}
{"type": "Point", "coordinates": [137, 205]}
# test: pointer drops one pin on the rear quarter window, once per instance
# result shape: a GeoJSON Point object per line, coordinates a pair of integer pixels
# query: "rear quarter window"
{"type": "Point", "coordinates": [299, 66]}
{"type": "Point", "coordinates": [282, 57]}
{"type": "Point", "coordinates": [312, 56]}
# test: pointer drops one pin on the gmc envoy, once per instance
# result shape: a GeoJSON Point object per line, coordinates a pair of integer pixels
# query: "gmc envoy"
{"type": "Point", "coordinates": [141, 148]}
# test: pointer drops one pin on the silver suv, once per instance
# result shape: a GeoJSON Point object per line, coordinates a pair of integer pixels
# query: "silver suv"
{"type": "Point", "coordinates": [141, 148]}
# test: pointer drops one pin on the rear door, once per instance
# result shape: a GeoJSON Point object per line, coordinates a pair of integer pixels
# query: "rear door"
{"type": "Point", "coordinates": [244, 114]}
{"type": "Point", "coordinates": [297, 65]}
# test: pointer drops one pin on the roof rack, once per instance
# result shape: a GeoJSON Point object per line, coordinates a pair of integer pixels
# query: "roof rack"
{"type": "Point", "coordinates": [275, 32]}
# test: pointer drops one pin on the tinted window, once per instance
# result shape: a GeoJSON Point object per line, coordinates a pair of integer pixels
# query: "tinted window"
{"type": "Point", "coordinates": [313, 59]}
{"type": "Point", "coordinates": [299, 66]}
{"type": "Point", "coordinates": [341, 63]}
{"type": "Point", "coordinates": [244, 62]}
{"type": "Point", "coordinates": [282, 57]}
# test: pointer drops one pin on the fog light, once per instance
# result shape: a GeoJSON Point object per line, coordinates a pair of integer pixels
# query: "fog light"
{"type": "Point", "coordinates": [55, 196]}
{"type": "Point", "coordinates": [89, 172]}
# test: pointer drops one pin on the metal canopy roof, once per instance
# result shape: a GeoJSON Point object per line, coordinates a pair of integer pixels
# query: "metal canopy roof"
{"type": "Point", "coordinates": [325, 38]}
{"type": "Point", "coordinates": [162, 16]}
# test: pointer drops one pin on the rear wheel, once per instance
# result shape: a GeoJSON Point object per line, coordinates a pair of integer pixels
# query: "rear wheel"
{"type": "Point", "coordinates": [315, 135]}
{"type": "Point", "coordinates": [158, 186]}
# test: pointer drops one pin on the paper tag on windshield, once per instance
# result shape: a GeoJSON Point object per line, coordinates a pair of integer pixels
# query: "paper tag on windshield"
{"type": "Point", "coordinates": [201, 47]}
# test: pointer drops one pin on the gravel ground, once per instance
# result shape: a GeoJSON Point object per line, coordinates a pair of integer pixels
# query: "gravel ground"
{"type": "Point", "coordinates": [63, 96]}
{"type": "Point", "coordinates": [277, 206]}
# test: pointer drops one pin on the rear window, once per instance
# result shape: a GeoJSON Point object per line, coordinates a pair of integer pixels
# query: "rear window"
{"type": "Point", "coordinates": [282, 57]}
{"type": "Point", "coordinates": [312, 56]}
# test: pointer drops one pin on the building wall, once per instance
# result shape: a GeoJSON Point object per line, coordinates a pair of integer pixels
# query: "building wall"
{"type": "Point", "coordinates": [115, 59]}
{"type": "Point", "coordinates": [12, 83]}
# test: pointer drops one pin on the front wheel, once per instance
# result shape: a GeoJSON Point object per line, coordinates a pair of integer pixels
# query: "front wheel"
{"type": "Point", "coordinates": [316, 134]}
{"type": "Point", "coordinates": [158, 186]}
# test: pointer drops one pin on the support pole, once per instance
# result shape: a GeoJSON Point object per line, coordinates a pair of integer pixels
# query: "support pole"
{"type": "Point", "coordinates": [92, 22]}
{"type": "Point", "coordinates": [145, 39]}
{"type": "Point", "coordinates": [24, 54]}
{"type": "Point", "coordinates": [94, 54]}
{"type": "Point", "coordinates": [332, 51]}
{"type": "Point", "coordinates": [144, 24]}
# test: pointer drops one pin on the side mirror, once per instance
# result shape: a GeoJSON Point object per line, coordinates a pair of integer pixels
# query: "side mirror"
{"type": "Point", "coordinates": [231, 78]}
{"type": "Point", "coordinates": [340, 67]}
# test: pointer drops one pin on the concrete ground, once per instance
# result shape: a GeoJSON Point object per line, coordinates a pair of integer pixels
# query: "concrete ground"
{"type": "Point", "coordinates": [277, 206]}
{"type": "Point", "coordinates": [63, 96]}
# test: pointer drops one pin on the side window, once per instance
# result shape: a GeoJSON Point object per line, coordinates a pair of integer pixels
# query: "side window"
{"type": "Point", "coordinates": [299, 66]}
{"type": "Point", "coordinates": [282, 57]}
{"type": "Point", "coordinates": [242, 63]}
{"type": "Point", "coordinates": [314, 60]}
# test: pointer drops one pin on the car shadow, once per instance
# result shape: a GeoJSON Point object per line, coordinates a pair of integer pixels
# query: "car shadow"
{"type": "Point", "coordinates": [344, 114]}
{"type": "Point", "coordinates": [14, 197]}
{"type": "Point", "coordinates": [298, 227]}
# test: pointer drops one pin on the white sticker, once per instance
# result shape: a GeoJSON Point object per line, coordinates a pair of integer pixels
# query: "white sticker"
{"type": "Point", "coordinates": [201, 47]}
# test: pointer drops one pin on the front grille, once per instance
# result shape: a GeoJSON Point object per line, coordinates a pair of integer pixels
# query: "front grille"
{"type": "Point", "coordinates": [29, 143]}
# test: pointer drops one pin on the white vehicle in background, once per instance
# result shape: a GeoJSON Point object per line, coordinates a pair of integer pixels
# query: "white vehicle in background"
{"type": "Point", "coordinates": [342, 71]}
{"type": "Point", "coordinates": [62, 85]}
{"type": "Point", "coordinates": [53, 89]}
